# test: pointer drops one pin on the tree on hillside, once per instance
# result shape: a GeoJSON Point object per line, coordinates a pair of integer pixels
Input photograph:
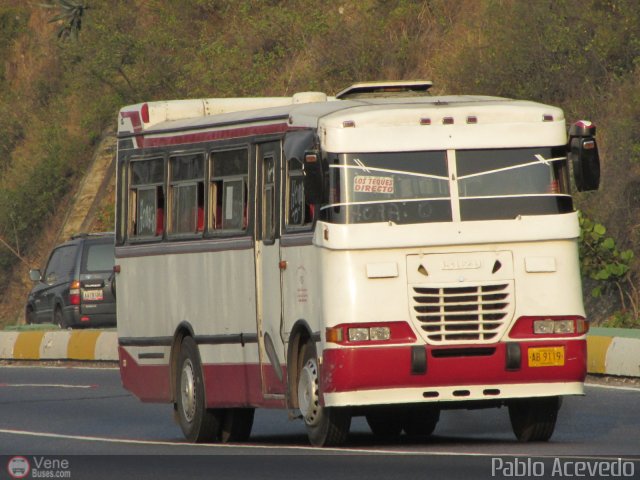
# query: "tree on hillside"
{"type": "Point", "coordinates": [69, 17]}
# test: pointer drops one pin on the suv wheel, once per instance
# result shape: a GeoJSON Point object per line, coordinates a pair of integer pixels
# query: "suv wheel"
{"type": "Point", "coordinates": [30, 316]}
{"type": "Point", "coordinates": [58, 319]}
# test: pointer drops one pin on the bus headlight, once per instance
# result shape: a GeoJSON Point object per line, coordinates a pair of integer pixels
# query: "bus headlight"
{"type": "Point", "coordinates": [375, 334]}
{"type": "Point", "coordinates": [358, 334]}
{"type": "Point", "coordinates": [564, 326]}
{"type": "Point", "coordinates": [547, 327]}
{"type": "Point", "coordinates": [543, 327]}
{"type": "Point", "coordinates": [379, 333]}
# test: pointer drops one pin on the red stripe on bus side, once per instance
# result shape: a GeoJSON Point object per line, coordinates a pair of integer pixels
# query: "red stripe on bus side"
{"type": "Point", "coordinates": [227, 385]}
{"type": "Point", "coordinates": [145, 142]}
{"type": "Point", "coordinates": [240, 385]}
{"type": "Point", "coordinates": [150, 383]}
{"type": "Point", "coordinates": [136, 121]}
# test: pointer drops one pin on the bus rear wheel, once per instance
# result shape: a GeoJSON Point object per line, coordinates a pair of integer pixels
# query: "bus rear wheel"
{"type": "Point", "coordinates": [534, 419]}
{"type": "Point", "coordinates": [237, 425]}
{"type": "Point", "coordinates": [421, 421]}
{"type": "Point", "coordinates": [385, 423]}
{"type": "Point", "coordinates": [326, 426]}
{"type": "Point", "coordinates": [198, 423]}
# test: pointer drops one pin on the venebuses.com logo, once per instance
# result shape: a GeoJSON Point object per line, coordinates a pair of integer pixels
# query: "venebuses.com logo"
{"type": "Point", "coordinates": [18, 467]}
{"type": "Point", "coordinates": [38, 467]}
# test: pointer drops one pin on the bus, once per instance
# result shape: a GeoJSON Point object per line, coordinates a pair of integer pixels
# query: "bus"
{"type": "Point", "coordinates": [383, 252]}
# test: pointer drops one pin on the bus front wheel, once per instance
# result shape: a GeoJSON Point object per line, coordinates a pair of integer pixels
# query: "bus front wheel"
{"type": "Point", "coordinates": [326, 426]}
{"type": "Point", "coordinates": [534, 419]}
{"type": "Point", "coordinates": [198, 423]}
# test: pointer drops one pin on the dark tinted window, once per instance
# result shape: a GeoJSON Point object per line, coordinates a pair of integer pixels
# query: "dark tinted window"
{"type": "Point", "coordinates": [400, 187]}
{"type": "Point", "coordinates": [61, 263]}
{"type": "Point", "coordinates": [299, 212]}
{"type": "Point", "coordinates": [98, 257]}
{"type": "Point", "coordinates": [505, 183]}
{"type": "Point", "coordinates": [147, 171]}
{"type": "Point", "coordinates": [187, 167]}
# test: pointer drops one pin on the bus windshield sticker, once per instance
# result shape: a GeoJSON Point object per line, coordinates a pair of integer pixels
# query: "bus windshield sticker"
{"type": "Point", "coordinates": [372, 184]}
{"type": "Point", "coordinates": [359, 163]}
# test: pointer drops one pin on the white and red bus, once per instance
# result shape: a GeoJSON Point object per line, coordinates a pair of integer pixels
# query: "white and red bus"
{"type": "Point", "coordinates": [381, 253]}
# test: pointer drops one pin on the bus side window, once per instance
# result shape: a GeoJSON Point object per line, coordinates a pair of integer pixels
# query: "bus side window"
{"type": "Point", "coordinates": [299, 212]}
{"type": "Point", "coordinates": [146, 198]}
{"type": "Point", "coordinates": [186, 184]}
{"type": "Point", "coordinates": [228, 190]}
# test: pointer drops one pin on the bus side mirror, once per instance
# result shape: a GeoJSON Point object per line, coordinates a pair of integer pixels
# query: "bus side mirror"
{"type": "Point", "coordinates": [312, 177]}
{"type": "Point", "coordinates": [584, 156]}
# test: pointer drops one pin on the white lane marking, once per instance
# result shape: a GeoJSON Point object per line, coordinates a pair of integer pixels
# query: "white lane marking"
{"type": "Point", "coordinates": [218, 445]}
{"type": "Point", "coordinates": [46, 385]}
{"type": "Point", "coordinates": [319, 450]}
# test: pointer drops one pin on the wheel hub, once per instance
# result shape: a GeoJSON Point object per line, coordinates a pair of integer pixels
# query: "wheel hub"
{"type": "Point", "coordinates": [188, 391]}
{"type": "Point", "coordinates": [308, 395]}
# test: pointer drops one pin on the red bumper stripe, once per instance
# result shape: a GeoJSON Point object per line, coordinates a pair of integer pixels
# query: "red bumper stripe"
{"type": "Point", "coordinates": [351, 369]}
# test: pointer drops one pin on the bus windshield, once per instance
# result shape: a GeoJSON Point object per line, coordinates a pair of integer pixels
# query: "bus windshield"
{"type": "Point", "coordinates": [421, 187]}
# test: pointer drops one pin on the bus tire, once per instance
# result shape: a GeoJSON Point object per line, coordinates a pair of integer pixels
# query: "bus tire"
{"type": "Point", "coordinates": [326, 426]}
{"type": "Point", "coordinates": [198, 423]}
{"type": "Point", "coordinates": [385, 423]}
{"type": "Point", "coordinates": [421, 421]}
{"type": "Point", "coordinates": [237, 425]}
{"type": "Point", "coordinates": [534, 419]}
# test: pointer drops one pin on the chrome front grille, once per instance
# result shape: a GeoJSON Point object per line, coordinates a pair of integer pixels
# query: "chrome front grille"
{"type": "Point", "coordinates": [462, 314]}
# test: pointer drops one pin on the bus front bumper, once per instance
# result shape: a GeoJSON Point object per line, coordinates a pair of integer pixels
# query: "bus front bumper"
{"type": "Point", "coordinates": [359, 376]}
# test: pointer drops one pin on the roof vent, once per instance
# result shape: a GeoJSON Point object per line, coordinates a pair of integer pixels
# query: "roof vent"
{"type": "Point", "coordinates": [385, 89]}
{"type": "Point", "coordinates": [309, 97]}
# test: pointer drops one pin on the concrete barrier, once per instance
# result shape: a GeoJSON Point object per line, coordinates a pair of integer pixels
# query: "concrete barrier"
{"type": "Point", "coordinates": [614, 351]}
{"type": "Point", "coordinates": [611, 351]}
{"type": "Point", "coordinates": [94, 345]}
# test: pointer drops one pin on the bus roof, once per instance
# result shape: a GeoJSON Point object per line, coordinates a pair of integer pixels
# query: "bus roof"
{"type": "Point", "coordinates": [363, 105]}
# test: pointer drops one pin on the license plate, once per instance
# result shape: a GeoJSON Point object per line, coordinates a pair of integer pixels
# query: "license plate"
{"type": "Point", "coordinates": [92, 295]}
{"type": "Point", "coordinates": [546, 357]}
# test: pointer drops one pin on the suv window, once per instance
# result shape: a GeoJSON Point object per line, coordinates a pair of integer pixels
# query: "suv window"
{"type": "Point", "coordinates": [98, 257]}
{"type": "Point", "coordinates": [61, 263]}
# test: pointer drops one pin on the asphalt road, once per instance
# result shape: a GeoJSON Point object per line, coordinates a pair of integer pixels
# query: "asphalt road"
{"type": "Point", "coordinates": [84, 417]}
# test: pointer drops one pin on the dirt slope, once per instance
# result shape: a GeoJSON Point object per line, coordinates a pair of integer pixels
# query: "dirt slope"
{"type": "Point", "coordinates": [83, 210]}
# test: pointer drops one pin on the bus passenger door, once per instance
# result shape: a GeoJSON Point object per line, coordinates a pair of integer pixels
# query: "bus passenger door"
{"type": "Point", "coordinates": [267, 261]}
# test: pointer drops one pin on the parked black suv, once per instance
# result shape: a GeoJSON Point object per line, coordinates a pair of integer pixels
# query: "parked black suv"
{"type": "Point", "coordinates": [75, 289]}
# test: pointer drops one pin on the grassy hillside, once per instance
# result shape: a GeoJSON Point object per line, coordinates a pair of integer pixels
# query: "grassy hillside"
{"type": "Point", "coordinates": [60, 92]}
